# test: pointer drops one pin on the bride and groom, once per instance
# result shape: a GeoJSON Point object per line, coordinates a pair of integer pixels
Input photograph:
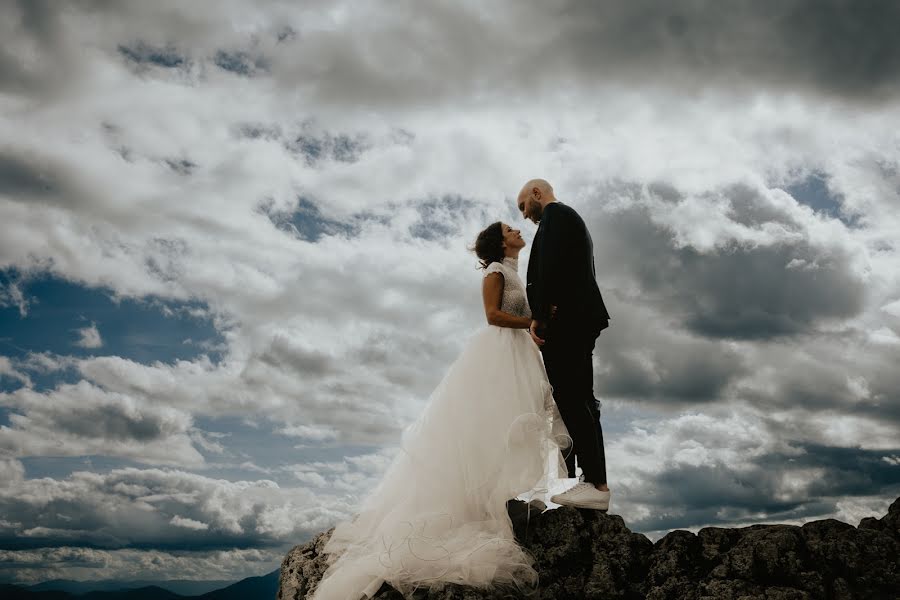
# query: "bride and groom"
{"type": "Point", "coordinates": [515, 409]}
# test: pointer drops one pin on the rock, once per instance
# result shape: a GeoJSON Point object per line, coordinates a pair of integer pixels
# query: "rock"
{"type": "Point", "coordinates": [302, 568]}
{"type": "Point", "coordinates": [588, 554]}
{"type": "Point", "coordinates": [889, 524]}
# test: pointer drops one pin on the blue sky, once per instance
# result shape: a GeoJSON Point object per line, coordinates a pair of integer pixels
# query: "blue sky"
{"type": "Point", "coordinates": [234, 264]}
{"type": "Point", "coordinates": [143, 329]}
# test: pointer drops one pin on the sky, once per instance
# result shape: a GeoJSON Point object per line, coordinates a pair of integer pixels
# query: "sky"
{"type": "Point", "coordinates": [234, 257]}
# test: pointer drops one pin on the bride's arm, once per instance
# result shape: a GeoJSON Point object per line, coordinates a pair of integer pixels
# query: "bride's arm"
{"type": "Point", "coordinates": [492, 293]}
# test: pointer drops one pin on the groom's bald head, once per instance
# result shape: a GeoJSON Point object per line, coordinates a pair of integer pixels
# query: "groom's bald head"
{"type": "Point", "coordinates": [533, 197]}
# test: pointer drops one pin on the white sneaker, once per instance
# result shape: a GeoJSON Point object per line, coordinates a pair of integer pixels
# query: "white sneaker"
{"type": "Point", "coordinates": [583, 495]}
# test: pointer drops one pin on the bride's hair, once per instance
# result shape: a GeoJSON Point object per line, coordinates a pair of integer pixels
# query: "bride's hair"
{"type": "Point", "coordinates": [489, 244]}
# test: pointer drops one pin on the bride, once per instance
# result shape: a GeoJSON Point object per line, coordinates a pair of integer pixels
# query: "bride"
{"type": "Point", "coordinates": [489, 432]}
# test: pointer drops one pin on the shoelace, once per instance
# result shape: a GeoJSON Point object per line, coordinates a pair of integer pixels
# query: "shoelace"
{"type": "Point", "coordinates": [581, 486]}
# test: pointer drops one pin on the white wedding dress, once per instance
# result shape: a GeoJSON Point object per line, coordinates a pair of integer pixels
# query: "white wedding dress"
{"type": "Point", "coordinates": [490, 432]}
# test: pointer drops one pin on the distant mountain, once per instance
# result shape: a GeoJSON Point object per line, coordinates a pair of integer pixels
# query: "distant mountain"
{"type": "Point", "coordinates": [17, 592]}
{"type": "Point", "coordinates": [150, 592]}
{"type": "Point", "coordinates": [184, 587]}
{"type": "Point", "coordinates": [264, 587]}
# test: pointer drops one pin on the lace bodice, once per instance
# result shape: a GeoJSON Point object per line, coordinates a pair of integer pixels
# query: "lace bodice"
{"type": "Point", "coordinates": [515, 301]}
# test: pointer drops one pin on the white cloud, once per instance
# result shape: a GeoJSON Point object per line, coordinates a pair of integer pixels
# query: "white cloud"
{"type": "Point", "coordinates": [8, 371]}
{"type": "Point", "coordinates": [46, 362]}
{"type": "Point", "coordinates": [308, 432]}
{"type": "Point", "coordinates": [188, 523]}
{"type": "Point", "coordinates": [12, 470]}
{"type": "Point", "coordinates": [892, 308]}
{"type": "Point", "coordinates": [89, 337]}
{"type": "Point", "coordinates": [12, 295]}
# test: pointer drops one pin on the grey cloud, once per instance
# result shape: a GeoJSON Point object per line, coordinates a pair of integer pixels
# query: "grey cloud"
{"type": "Point", "coordinates": [736, 320]}
{"type": "Point", "coordinates": [736, 467]}
{"type": "Point", "coordinates": [641, 357]}
{"type": "Point", "coordinates": [108, 417]}
{"type": "Point", "coordinates": [748, 208]}
{"type": "Point", "coordinates": [827, 47]}
{"type": "Point", "coordinates": [679, 378]}
{"type": "Point", "coordinates": [738, 291]}
{"type": "Point", "coordinates": [30, 176]}
{"type": "Point", "coordinates": [752, 294]}
{"type": "Point", "coordinates": [36, 25]}
{"type": "Point", "coordinates": [840, 373]}
{"type": "Point", "coordinates": [143, 36]}
{"type": "Point", "coordinates": [700, 492]}
{"type": "Point", "coordinates": [884, 387]}
{"type": "Point", "coordinates": [115, 423]}
{"type": "Point", "coordinates": [282, 353]}
{"type": "Point", "coordinates": [22, 177]}
{"type": "Point", "coordinates": [83, 419]}
{"type": "Point", "coordinates": [719, 494]}
{"type": "Point", "coordinates": [659, 189]}
{"type": "Point", "coordinates": [13, 76]}
{"type": "Point", "coordinates": [847, 471]}
{"type": "Point", "coordinates": [832, 48]}
{"type": "Point", "coordinates": [813, 381]}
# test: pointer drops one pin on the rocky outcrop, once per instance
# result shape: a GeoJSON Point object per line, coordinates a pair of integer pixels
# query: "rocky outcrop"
{"type": "Point", "coordinates": [588, 554]}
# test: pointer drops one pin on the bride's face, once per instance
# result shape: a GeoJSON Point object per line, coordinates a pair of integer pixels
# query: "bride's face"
{"type": "Point", "coordinates": [512, 238]}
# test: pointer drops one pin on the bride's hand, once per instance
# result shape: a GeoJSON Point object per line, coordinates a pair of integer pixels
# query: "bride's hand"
{"type": "Point", "coordinates": [533, 331]}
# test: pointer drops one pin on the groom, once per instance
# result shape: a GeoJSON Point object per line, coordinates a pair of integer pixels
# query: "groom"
{"type": "Point", "coordinates": [568, 314]}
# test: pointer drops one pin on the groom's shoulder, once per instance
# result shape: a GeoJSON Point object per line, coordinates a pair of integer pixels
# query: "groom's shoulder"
{"type": "Point", "coordinates": [560, 206]}
{"type": "Point", "coordinates": [563, 211]}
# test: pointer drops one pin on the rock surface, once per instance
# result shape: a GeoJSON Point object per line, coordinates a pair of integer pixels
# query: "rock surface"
{"type": "Point", "coordinates": [588, 554]}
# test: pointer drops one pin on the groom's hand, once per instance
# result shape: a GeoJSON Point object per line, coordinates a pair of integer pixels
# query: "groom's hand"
{"type": "Point", "coordinates": [535, 325]}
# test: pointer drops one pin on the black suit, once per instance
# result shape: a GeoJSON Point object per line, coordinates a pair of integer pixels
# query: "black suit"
{"type": "Point", "coordinates": [561, 274]}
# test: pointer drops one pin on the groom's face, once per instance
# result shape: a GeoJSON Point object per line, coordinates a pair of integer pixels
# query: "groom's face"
{"type": "Point", "coordinates": [530, 208]}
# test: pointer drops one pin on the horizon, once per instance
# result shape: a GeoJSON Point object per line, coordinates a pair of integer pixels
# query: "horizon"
{"type": "Point", "coordinates": [235, 265]}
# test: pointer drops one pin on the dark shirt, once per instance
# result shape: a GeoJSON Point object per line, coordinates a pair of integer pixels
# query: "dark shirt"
{"type": "Point", "coordinates": [561, 273]}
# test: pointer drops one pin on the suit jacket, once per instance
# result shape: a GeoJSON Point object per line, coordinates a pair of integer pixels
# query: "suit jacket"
{"type": "Point", "coordinates": [561, 273]}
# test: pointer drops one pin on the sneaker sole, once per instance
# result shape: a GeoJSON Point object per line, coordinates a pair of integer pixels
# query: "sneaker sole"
{"type": "Point", "coordinates": [593, 506]}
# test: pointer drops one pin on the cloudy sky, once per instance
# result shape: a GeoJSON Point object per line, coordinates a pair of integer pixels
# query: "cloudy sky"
{"type": "Point", "coordinates": [233, 257]}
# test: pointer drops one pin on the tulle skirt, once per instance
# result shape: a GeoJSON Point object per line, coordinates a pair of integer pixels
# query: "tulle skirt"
{"type": "Point", "coordinates": [490, 432]}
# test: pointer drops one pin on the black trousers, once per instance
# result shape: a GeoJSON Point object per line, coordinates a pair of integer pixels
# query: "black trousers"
{"type": "Point", "coordinates": [568, 359]}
